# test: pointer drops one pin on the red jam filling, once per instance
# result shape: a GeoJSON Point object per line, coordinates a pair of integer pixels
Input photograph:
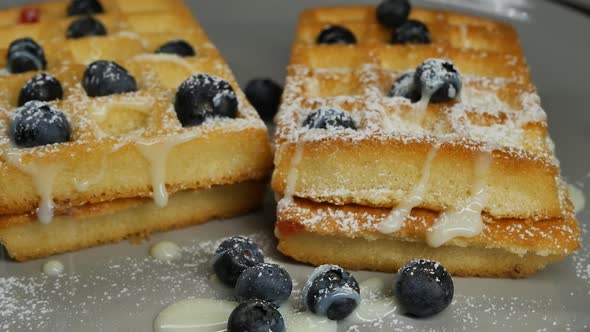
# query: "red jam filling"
{"type": "Point", "coordinates": [29, 15]}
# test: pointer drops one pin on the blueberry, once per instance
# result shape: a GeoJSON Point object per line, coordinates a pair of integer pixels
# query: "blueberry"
{"type": "Point", "coordinates": [411, 32]}
{"type": "Point", "coordinates": [404, 87]}
{"type": "Point", "coordinates": [234, 256]}
{"type": "Point", "coordinates": [331, 291]}
{"type": "Point", "coordinates": [84, 7]}
{"type": "Point", "coordinates": [255, 316]}
{"type": "Point", "coordinates": [336, 34]}
{"type": "Point", "coordinates": [179, 47]}
{"type": "Point", "coordinates": [329, 118]}
{"type": "Point", "coordinates": [204, 96]}
{"type": "Point", "coordinates": [103, 78]}
{"type": "Point", "coordinates": [24, 55]}
{"type": "Point", "coordinates": [42, 87]}
{"type": "Point", "coordinates": [270, 282]}
{"type": "Point", "coordinates": [393, 13]}
{"type": "Point", "coordinates": [423, 288]}
{"type": "Point", "coordinates": [84, 27]}
{"type": "Point", "coordinates": [265, 95]}
{"type": "Point", "coordinates": [439, 79]}
{"type": "Point", "coordinates": [38, 123]}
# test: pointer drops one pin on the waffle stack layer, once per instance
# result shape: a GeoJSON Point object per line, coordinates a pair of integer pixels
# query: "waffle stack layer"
{"type": "Point", "coordinates": [473, 183]}
{"type": "Point", "coordinates": [124, 147]}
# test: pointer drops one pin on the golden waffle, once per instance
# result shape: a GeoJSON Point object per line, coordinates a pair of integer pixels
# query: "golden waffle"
{"type": "Point", "coordinates": [446, 28]}
{"type": "Point", "coordinates": [320, 233]}
{"type": "Point", "coordinates": [124, 219]}
{"type": "Point", "coordinates": [488, 153]}
{"type": "Point", "coordinates": [127, 145]}
{"type": "Point", "coordinates": [499, 112]}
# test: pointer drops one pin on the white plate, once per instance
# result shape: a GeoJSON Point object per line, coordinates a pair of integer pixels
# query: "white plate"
{"type": "Point", "coordinates": [120, 288]}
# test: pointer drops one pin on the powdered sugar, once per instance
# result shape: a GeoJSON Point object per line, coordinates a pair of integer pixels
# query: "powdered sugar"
{"type": "Point", "coordinates": [559, 238]}
{"type": "Point", "coordinates": [487, 114]}
{"type": "Point", "coordinates": [36, 116]}
{"type": "Point", "coordinates": [139, 287]}
{"type": "Point", "coordinates": [38, 302]}
{"type": "Point", "coordinates": [151, 113]}
{"type": "Point", "coordinates": [79, 107]}
{"type": "Point", "coordinates": [581, 259]}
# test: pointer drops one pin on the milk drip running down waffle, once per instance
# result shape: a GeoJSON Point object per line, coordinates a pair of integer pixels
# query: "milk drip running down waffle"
{"type": "Point", "coordinates": [144, 154]}
{"type": "Point", "coordinates": [371, 177]}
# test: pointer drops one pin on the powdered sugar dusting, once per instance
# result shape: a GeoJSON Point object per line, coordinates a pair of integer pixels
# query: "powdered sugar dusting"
{"type": "Point", "coordinates": [38, 302]}
{"type": "Point", "coordinates": [581, 259]}
{"type": "Point", "coordinates": [143, 283]}
{"type": "Point", "coordinates": [93, 131]}
{"type": "Point", "coordinates": [556, 237]}
{"type": "Point", "coordinates": [487, 114]}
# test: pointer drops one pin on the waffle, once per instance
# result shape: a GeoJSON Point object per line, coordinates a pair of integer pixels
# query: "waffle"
{"type": "Point", "coordinates": [446, 28]}
{"type": "Point", "coordinates": [124, 219]}
{"type": "Point", "coordinates": [131, 145]}
{"type": "Point", "coordinates": [486, 159]}
{"type": "Point", "coordinates": [320, 233]}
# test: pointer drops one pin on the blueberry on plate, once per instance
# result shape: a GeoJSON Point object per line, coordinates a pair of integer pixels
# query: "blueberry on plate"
{"type": "Point", "coordinates": [42, 87]}
{"type": "Point", "coordinates": [37, 123]}
{"type": "Point", "coordinates": [411, 32]}
{"type": "Point", "coordinates": [233, 256]}
{"type": "Point", "coordinates": [24, 54]}
{"type": "Point", "coordinates": [335, 34]}
{"type": "Point", "coordinates": [84, 27]}
{"type": "Point", "coordinates": [103, 78]}
{"type": "Point", "coordinates": [203, 96]}
{"type": "Point", "coordinates": [393, 13]}
{"type": "Point", "coordinates": [255, 316]}
{"type": "Point", "coordinates": [329, 118]}
{"type": "Point", "coordinates": [179, 47]}
{"type": "Point", "coordinates": [269, 282]}
{"type": "Point", "coordinates": [265, 95]}
{"type": "Point", "coordinates": [404, 87]}
{"type": "Point", "coordinates": [423, 288]}
{"type": "Point", "coordinates": [438, 79]}
{"type": "Point", "coordinates": [331, 291]}
{"type": "Point", "coordinates": [84, 7]}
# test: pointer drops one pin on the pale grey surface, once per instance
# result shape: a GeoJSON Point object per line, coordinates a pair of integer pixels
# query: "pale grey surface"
{"type": "Point", "coordinates": [255, 38]}
{"type": "Point", "coordinates": [581, 3]}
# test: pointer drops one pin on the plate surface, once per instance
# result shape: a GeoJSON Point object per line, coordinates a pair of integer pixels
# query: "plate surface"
{"type": "Point", "coordinates": [120, 288]}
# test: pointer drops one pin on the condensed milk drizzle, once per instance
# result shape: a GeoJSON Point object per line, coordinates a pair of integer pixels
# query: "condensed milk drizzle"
{"type": "Point", "coordinates": [43, 177]}
{"type": "Point", "coordinates": [141, 104]}
{"type": "Point", "coordinates": [394, 221]}
{"type": "Point", "coordinates": [83, 185]}
{"type": "Point", "coordinates": [162, 57]}
{"type": "Point", "coordinates": [293, 173]}
{"type": "Point", "coordinates": [156, 153]}
{"type": "Point", "coordinates": [463, 220]}
{"type": "Point", "coordinates": [432, 81]}
{"type": "Point", "coordinates": [194, 315]}
{"type": "Point", "coordinates": [421, 106]}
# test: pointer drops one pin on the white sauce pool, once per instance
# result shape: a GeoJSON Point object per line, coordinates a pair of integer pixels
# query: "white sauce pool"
{"type": "Point", "coordinates": [194, 315]}
{"type": "Point", "coordinates": [206, 315]}
{"type": "Point", "coordinates": [53, 268]}
{"type": "Point", "coordinates": [166, 251]}
{"type": "Point", "coordinates": [377, 302]}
